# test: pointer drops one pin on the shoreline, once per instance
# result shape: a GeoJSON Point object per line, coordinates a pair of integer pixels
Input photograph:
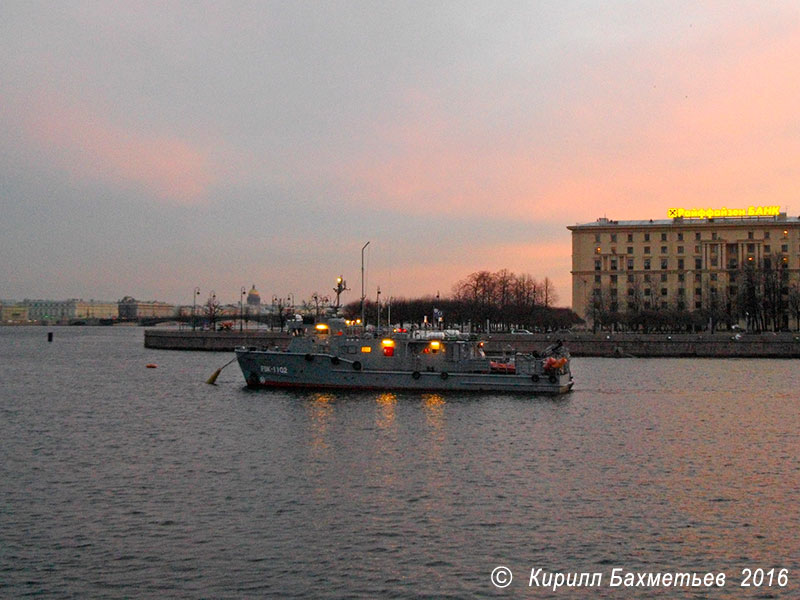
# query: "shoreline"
{"type": "Point", "coordinates": [616, 345]}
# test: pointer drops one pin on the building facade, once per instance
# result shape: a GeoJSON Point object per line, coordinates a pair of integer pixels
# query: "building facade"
{"type": "Point", "coordinates": [130, 308]}
{"type": "Point", "coordinates": [60, 311]}
{"type": "Point", "coordinates": [14, 313]}
{"type": "Point", "coordinates": [695, 261]}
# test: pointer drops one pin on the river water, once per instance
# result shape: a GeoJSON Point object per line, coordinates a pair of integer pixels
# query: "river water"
{"type": "Point", "coordinates": [119, 481]}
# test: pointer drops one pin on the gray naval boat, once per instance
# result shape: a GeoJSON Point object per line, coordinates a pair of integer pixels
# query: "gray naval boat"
{"type": "Point", "coordinates": [335, 354]}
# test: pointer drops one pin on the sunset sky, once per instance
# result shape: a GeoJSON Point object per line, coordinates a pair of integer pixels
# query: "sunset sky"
{"type": "Point", "coordinates": [150, 147]}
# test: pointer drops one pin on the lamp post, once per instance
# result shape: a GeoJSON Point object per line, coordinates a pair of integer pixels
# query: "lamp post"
{"type": "Point", "coordinates": [378, 303]}
{"type": "Point", "coordinates": [363, 296]}
{"type": "Point", "coordinates": [194, 307]}
{"type": "Point", "coordinates": [241, 308]}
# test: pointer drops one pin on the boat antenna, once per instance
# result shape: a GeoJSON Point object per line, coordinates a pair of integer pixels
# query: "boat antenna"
{"type": "Point", "coordinates": [363, 296]}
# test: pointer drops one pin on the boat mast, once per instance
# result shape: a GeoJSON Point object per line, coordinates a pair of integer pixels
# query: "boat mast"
{"type": "Point", "coordinates": [363, 296]}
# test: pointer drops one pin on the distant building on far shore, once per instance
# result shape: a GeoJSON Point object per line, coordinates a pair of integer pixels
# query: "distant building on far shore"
{"type": "Point", "coordinates": [254, 298]}
{"type": "Point", "coordinates": [13, 312]}
{"type": "Point", "coordinates": [131, 308]}
{"type": "Point", "coordinates": [59, 311]}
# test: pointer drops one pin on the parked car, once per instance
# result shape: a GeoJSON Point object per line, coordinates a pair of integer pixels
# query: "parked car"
{"type": "Point", "coordinates": [520, 332]}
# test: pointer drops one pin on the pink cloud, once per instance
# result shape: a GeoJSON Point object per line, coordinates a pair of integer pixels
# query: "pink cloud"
{"type": "Point", "coordinates": [86, 144]}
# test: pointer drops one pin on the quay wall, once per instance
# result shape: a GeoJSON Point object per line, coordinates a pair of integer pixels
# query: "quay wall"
{"type": "Point", "coordinates": [718, 345]}
{"type": "Point", "coordinates": [215, 341]}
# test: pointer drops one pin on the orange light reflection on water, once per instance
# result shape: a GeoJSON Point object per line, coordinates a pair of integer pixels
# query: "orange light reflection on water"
{"type": "Point", "coordinates": [320, 410]}
{"type": "Point", "coordinates": [387, 403]}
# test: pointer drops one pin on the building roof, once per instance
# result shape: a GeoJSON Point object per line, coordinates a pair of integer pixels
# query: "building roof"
{"type": "Point", "coordinates": [685, 222]}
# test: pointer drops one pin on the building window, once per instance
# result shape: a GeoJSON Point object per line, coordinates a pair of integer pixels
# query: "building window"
{"type": "Point", "coordinates": [751, 247]}
{"type": "Point", "coordinates": [613, 279]}
{"type": "Point", "coordinates": [713, 261]}
{"type": "Point", "coordinates": [664, 263]}
{"type": "Point", "coordinates": [646, 291]}
{"type": "Point", "coordinates": [630, 249]}
{"type": "Point", "coordinates": [680, 249]}
{"type": "Point", "coordinates": [647, 249]}
{"type": "Point", "coordinates": [613, 264]}
{"type": "Point", "coordinates": [766, 235]}
{"type": "Point", "coordinates": [749, 235]}
{"type": "Point", "coordinates": [767, 248]}
{"type": "Point", "coordinates": [681, 277]}
{"type": "Point", "coordinates": [630, 264]}
{"type": "Point", "coordinates": [663, 250]}
{"type": "Point", "coordinates": [713, 235]}
{"type": "Point", "coordinates": [630, 237]}
{"type": "Point", "coordinates": [613, 292]}
{"type": "Point", "coordinates": [596, 238]}
{"type": "Point", "coordinates": [646, 237]}
{"type": "Point", "coordinates": [697, 277]}
{"type": "Point", "coordinates": [680, 236]}
{"type": "Point", "coordinates": [680, 263]}
{"type": "Point", "coordinates": [767, 262]}
{"type": "Point", "coordinates": [698, 291]}
{"type": "Point", "coordinates": [597, 265]}
{"type": "Point", "coordinates": [698, 263]}
{"type": "Point", "coordinates": [630, 292]}
{"type": "Point", "coordinates": [663, 277]}
{"type": "Point", "coordinates": [647, 278]}
{"type": "Point", "coordinates": [697, 249]}
{"type": "Point", "coordinates": [681, 291]}
{"type": "Point", "coordinates": [698, 304]}
{"type": "Point", "coordinates": [597, 278]}
{"type": "Point", "coordinates": [663, 237]}
{"type": "Point", "coordinates": [713, 277]}
{"type": "Point", "coordinates": [613, 237]}
{"type": "Point", "coordinates": [646, 264]}
{"type": "Point", "coordinates": [697, 235]}
{"type": "Point", "coordinates": [784, 248]}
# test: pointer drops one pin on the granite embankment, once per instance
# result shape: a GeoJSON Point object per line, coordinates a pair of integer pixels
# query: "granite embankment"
{"type": "Point", "coordinates": [718, 345]}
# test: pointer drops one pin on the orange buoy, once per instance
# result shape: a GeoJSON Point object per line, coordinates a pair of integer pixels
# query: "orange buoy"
{"type": "Point", "coordinates": [151, 365]}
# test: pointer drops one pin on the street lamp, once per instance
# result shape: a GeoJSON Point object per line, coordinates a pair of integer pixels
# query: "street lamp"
{"type": "Point", "coordinates": [194, 306]}
{"type": "Point", "coordinates": [241, 308]}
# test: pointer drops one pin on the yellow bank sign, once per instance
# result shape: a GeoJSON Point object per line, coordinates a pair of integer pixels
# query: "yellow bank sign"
{"type": "Point", "coordinates": [713, 213]}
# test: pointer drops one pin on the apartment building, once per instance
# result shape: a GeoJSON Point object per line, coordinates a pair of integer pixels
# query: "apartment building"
{"type": "Point", "coordinates": [690, 261]}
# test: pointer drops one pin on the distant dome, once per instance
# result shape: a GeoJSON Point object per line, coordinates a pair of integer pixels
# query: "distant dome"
{"type": "Point", "coordinates": [254, 298]}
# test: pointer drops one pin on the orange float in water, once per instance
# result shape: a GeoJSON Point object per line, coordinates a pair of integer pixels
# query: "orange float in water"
{"type": "Point", "coordinates": [151, 365]}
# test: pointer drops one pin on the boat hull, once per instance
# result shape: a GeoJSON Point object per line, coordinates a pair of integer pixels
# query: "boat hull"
{"type": "Point", "coordinates": [271, 369]}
